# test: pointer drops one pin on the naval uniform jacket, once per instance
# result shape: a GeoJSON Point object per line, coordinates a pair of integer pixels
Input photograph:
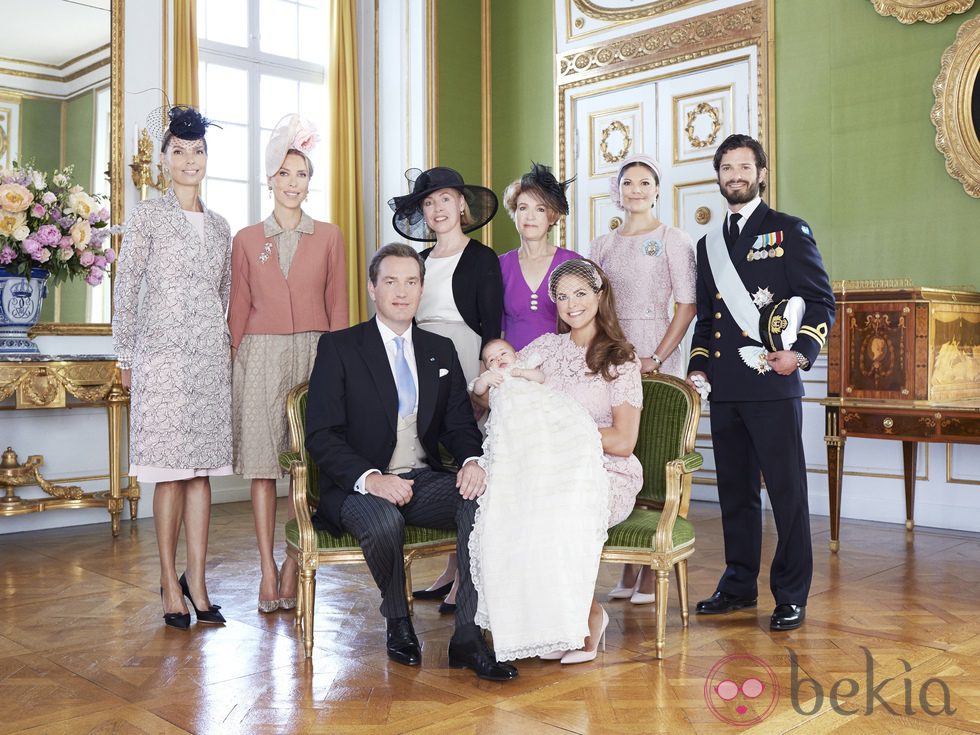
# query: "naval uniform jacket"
{"type": "Point", "coordinates": [352, 410]}
{"type": "Point", "coordinates": [718, 337]}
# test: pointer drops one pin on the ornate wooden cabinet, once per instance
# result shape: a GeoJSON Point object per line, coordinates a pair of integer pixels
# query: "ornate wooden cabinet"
{"type": "Point", "coordinates": [903, 362]}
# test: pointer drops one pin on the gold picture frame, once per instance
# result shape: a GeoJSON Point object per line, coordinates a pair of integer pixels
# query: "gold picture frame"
{"type": "Point", "coordinates": [956, 132]}
{"type": "Point", "coordinates": [911, 11]}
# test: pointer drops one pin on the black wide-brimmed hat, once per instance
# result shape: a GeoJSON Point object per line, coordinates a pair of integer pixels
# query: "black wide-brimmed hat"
{"type": "Point", "coordinates": [408, 219]}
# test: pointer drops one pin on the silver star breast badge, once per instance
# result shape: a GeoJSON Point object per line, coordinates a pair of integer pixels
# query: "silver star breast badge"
{"type": "Point", "coordinates": [762, 297]}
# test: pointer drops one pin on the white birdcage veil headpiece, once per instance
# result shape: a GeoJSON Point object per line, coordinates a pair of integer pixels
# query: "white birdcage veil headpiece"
{"type": "Point", "coordinates": [583, 269]}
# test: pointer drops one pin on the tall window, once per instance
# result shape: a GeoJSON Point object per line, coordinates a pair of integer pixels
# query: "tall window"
{"type": "Point", "coordinates": [259, 60]}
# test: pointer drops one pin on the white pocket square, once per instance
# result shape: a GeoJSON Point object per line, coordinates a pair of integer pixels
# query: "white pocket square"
{"type": "Point", "coordinates": [443, 372]}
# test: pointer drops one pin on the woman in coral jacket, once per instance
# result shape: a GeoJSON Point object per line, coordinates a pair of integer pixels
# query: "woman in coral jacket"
{"type": "Point", "coordinates": [289, 285]}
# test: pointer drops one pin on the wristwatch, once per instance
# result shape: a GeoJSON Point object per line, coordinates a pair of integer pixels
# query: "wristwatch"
{"type": "Point", "coordinates": [801, 361]}
{"type": "Point", "coordinates": [656, 359]}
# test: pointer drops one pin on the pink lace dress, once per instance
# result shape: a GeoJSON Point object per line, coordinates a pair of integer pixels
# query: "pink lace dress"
{"type": "Point", "coordinates": [649, 273]}
{"type": "Point", "coordinates": [563, 363]}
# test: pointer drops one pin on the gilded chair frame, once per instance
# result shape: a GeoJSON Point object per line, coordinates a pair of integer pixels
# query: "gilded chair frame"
{"type": "Point", "coordinates": [662, 555]}
{"type": "Point", "coordinates": [308, 554]}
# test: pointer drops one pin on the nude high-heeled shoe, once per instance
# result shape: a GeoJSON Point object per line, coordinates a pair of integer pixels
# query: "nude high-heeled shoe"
{"type": "Point", "coordinates": [624, 593]}
{"type": "Point", "coordinates": [582, 655]}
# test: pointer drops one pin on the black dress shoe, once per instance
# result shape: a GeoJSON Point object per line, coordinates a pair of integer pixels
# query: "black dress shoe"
{"type": "Point", "coordinates": [787, 617]}
{"type": "Point", "coordinates": [722, 602]}
{"type": "Point", "coordinates": [403, 645]}
{"type": "Point", "coordinates": [467, 649]}
{"type": "Point", "coordinates": [437, 594]}
{"type": "Point", "coordinates": [211, 615]}
{"type": "Point", "coordinates": [447, 608]}
{"type": "Point", "coordinates": [180, 621]}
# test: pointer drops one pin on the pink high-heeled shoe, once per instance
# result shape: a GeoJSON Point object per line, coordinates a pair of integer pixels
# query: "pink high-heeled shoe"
{"type": "Point", "coordinates": [582, 655]}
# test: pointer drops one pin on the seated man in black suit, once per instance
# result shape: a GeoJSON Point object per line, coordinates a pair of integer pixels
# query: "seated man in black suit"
{"type": "Point", "coordinates": [383, 395]}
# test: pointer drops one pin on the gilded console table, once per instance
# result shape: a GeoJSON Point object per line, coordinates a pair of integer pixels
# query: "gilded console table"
{"type": "Point", "coordinates": [64, 381]}
{"type": "Point", "coordinates": [903, 363]}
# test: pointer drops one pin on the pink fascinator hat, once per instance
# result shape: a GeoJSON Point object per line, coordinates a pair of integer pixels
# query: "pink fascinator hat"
{"type": "Point", "coordinates": [646, 160]}
{"type": "Point", "coordinates": [292, 132]}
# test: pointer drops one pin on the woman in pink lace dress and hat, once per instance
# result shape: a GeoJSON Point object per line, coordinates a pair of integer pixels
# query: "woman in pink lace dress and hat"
{"type": "Point", "coordinates": [652, 270]}
{"type": "Point", "coordinates": [289, 286]}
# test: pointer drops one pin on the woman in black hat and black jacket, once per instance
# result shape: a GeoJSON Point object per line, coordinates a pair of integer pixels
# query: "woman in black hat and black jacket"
{"type": "Point", "coordinates": [464, 292]}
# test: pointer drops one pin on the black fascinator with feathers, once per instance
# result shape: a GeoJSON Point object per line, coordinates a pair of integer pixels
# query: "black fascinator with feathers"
{"type": "Point", "coordinates": [552, 191]}
{"type": "Point", "coordinates": [178, 121]}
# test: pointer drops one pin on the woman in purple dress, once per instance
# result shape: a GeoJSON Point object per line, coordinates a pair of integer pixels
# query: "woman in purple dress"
{"type": "Point", "coordinates": [535, 202]}
{"type": "Point", "coordinates": [651, 268]}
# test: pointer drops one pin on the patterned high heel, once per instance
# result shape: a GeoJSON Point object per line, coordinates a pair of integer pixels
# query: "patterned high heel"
{"type": "Point", "coordinates": [286, 603]}
{"type": "Point", "coordinates": [270, 606]}
{"type": "Point", "coordinates": [211, 615]}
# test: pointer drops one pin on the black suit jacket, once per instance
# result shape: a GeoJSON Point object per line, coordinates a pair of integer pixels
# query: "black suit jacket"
{"type": "Point", "coordinates": [717, 336]}
{"type": "Point", "coordinates": [352, 410]}
{"type": "Point", "coordinates": [478, 289]}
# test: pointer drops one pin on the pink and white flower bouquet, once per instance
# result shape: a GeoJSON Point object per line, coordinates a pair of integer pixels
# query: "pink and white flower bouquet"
{"type": "Point", "coordinates": [48, 223]}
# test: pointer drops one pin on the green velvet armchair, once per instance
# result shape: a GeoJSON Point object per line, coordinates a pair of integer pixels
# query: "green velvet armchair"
{"type": "Point", "coordinates": [657, 533]}
{"type": "Point", "coordinates": [310, 547]}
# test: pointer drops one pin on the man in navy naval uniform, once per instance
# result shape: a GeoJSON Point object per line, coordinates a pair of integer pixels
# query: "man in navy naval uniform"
{"type": "Point", "coordinates": [758, 259]}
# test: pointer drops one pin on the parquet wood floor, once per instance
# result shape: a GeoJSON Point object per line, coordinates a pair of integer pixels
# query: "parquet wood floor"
{"type": "Point", "coordinates": [83, 648]}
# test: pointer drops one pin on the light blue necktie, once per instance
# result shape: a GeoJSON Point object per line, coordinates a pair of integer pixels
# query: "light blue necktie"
{"type": "Point", "coordinates": [403, 380]}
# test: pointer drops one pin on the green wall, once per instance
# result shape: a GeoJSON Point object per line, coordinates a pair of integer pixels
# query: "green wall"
{"type": "Point", "coordinates": [80, 138]}
{"type": "Point", "coordinates": [855, 148]}
{"type": "Point", "coordinates": [459, 108]}
{"type": "Point", "coordinates": [521, 97]}
{"type": "Point", "coordinates": [40, 133]}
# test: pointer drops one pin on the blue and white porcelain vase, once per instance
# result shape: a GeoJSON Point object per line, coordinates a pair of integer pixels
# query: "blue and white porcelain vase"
{"type": "Point", "coordinates": [20, 308]}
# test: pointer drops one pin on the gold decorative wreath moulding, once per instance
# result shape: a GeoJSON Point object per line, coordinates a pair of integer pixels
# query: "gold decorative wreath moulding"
{"type": "Point", "coordinates": [615, 127]}
{"type": "Point", "coordinates": [713, 114]}
{"type": "Point", "coordinates": [955, 87]}
{"type": "Point", "coordinates": [911, 11]}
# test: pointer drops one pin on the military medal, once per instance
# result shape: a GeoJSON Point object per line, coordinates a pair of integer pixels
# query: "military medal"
{"type": "Point", "coordinates": [768, 245]}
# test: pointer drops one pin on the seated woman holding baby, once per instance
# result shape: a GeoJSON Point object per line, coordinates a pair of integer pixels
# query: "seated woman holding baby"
{"type": "Point", "coordinates": [565, 416]}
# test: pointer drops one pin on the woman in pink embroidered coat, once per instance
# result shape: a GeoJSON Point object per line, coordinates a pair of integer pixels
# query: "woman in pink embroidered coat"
{"type": "Point", "coordinates": [289, 286]}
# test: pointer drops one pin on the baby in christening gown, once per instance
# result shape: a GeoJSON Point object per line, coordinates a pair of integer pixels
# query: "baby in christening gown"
{"type": "Point", "coordinates": [541, 523]}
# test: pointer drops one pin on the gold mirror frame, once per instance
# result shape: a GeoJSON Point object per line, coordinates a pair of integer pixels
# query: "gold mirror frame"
{"type": "Point", "coordinates": [931, 11]}
{"type": "Point", "coordinates": [117, 181]}
{"type": "Point", "coordinates": [956, 135]}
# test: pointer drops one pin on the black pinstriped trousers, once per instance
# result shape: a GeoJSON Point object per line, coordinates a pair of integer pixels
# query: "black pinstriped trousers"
{"type": "Point", "coordinates": [379, 526]}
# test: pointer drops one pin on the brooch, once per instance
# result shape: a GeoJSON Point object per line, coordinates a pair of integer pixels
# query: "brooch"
{"type": "Point", "coordinates": [266, 252]}
{"type": "Point", "coordinates": [653, 247]}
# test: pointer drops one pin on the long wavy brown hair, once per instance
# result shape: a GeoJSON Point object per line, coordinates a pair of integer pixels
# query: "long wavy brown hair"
{"type": "Point", "coordinates": [609, 347]}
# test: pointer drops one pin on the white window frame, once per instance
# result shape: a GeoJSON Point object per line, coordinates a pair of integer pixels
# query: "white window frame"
{"type": "Point", "coordinates": [255, 62]}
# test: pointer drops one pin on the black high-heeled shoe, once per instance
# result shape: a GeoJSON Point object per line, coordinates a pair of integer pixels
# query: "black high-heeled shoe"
{"type": "Point", "coordinates": [180, 621]}
{"type": "Point", "coordinates": [211, 615]}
